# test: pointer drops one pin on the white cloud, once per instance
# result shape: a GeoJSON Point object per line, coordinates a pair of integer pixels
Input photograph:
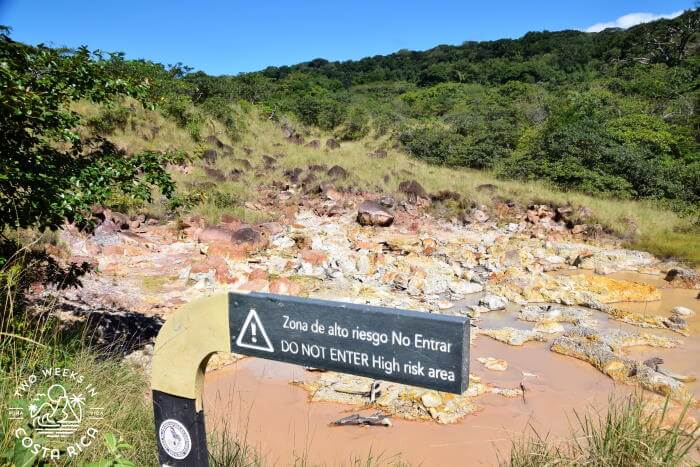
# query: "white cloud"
{"type": "Point", "coordinates": [630, 20]}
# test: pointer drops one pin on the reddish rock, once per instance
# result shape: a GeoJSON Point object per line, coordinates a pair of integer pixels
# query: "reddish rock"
{"type": "Point", "coordinates": [332, 144]}
{"type": "Point", "coordinates": [272, 228]}
{"type": "Point", "coordinates": [429, 246]}
{"type": "Point", "coordinates": [201, 267]}
{"type": "Point", "coordinates": [360, 245]}
{"type": "Point", "coordinates": [113, 250]}
{"type": "Point", "coordinates": [258, 274]}
{"type": "Point", "coordinates": [227, 250]}
{"type": "Point", "coordinates": [283, 286]}
{"type": "Point", "coordinates": [228, 219]}
{"type": "Point", "coordinates": [215, 234]}
{"type": "Point", "coordinates": [532, 216]}
{"type": "Point", "coordinates": [258, 285]}
{"type": "Point", "coordinates": [314, 257]}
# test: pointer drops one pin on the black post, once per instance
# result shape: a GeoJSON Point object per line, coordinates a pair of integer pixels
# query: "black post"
{"type": "Point", "coordinates": [180, 433]}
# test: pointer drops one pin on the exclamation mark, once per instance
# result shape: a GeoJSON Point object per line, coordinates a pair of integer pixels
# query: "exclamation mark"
{"type": "Point", "coordinates": [254, 329]}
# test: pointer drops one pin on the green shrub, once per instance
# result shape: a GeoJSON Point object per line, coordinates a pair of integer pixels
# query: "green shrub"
{"type": "Point", "coordinates": [109, 120]}
{"type": "Point", "coordinates": [48, 173]}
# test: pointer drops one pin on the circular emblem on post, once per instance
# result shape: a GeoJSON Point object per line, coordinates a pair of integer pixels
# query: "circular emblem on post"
{"type": "Point", "coordinates": [175, 439]}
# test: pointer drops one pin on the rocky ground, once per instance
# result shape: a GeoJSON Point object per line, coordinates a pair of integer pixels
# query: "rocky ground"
{"type": "Point", "coordinates": [549, 275]}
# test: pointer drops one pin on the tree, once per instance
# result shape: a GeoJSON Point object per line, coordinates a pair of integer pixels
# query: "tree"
{"type": "Point", "coordinates": [48, 172]}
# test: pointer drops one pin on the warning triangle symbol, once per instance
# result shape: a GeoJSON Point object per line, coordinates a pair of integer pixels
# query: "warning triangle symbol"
{"type": "Point", "coordinates": [253, 335]}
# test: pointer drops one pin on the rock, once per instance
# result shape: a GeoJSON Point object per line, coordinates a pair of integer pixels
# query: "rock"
{"type": "Point", "coordinates": [297, 138]}
{"type": "Point", "coordinates": [607, 290]}
{"type": "Point", "coordinates": [594, 348]}
{"type": "Point", "coordinates": [371, 213]}
{"type": "Point", "coordinates": [268, 161]}
{"type": "Point", "coordinates": [313, 144]}
{"type": "Point", "coordinates": [247, 235]}
{"type": "Point", "coordinates": [313, 257]}
{"type": "Point", "coordinates": [445, 195]}
{"type": "Point", "coordinates": [413, 190]}
{"type": "Point", "coordinates": [494, 364]}
{"type": "Point", "coordinates": [283, 286]}
{"type": "Point", "coordinates": [214, 141]}
{"type": "Point", "coordinates": [676, 323]}
{"type": "Point", "coordinates": [209, 156]}
{"type": "Point", "coordinates": [216, 174]}
{"type": "Point", "coordinates": [387, 201]}
{"type": "Point", "coordinates": [513, 336]}
{"type": "Point", "coordinates": [603, 269]}
{"type": "Point", "coordinates": [511, 259]}
{"type": "Point", "coordinates": [257, 285]}
{"type": "Point", "coordinates": [493, 302]}
{"type": "Point", "coordinates": [248, 150]}
{"type": "Point", "coordinates": [378, 154]}
{"type": "Point", "coordinates": [683, 311]}
{"type": "Point", "coordinates": [215, 234]}
{"type": "Point", "coordinates": [683, 278]}
{"type": "Point", "coordinates": [245, 163]}
{"type": "Point", "coordinates": [337, 172]}
{"type": "Point", "coordinates": [553, 314]}
{"type": "Point", "coordinates": [105, 229]}
{"type": "Point", "coordinates": [121, 221]}
{"type": "Point", "coordinates": [226, 249]}
{"type": "Point", "coordinates": [549, 328]}
{"type": "Point", "coordinates": [332, 144]}
{"type": "Point", "coordinates": [431, 399]}
{"type": "Point", "coordinates": [465, 288]}
{"type": "Point", "coordinates": [580, 229]}
{"type": "Point", "coordinates": [479, 216]}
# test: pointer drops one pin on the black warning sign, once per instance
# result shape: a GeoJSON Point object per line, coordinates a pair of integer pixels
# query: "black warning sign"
{"type": "Point", "coordinates": [410, 347]}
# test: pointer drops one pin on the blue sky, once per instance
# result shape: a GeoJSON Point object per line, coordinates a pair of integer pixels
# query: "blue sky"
{"type": "Point", "coordinates": [227, 37]}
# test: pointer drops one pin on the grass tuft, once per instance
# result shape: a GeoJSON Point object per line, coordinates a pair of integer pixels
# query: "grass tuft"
{"type": "Point", "coordinates": [631, 432]}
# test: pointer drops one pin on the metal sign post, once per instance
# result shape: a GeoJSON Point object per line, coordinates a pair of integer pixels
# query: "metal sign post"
{"type": "Point", "coordinates": [419, 349]}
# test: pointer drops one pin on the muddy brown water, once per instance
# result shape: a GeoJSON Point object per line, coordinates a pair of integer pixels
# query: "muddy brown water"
{"type": "Point", "coordinates": [254, 400]}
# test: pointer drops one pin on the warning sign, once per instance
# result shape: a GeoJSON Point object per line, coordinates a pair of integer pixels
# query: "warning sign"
{"type": "Point", "coordinates": [409, 347]}
{"type": "Point", "coordinates": [253, 335]}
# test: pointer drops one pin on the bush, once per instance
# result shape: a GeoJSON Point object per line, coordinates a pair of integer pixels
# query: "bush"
{"type": "Point", "coordinates": [356, 126]}
{"type": "Point", "coordinates": [180, 108]}
{"type": "Point", "coordinates": [109, 120]}
{"type": "Point", "coordinates": [222, 110]}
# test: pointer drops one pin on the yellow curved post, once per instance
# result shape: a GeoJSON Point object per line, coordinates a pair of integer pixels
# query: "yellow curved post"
{"type": "Point", "coordinates": [184, 344]}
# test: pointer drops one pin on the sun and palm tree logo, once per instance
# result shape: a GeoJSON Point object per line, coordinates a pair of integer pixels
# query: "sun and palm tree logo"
{"type": "Point", "coordinates": [57, 414]}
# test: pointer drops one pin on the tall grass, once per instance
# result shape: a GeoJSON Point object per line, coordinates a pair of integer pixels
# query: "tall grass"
{"type": "Point", "coordinates": [642, 224]}
{"type": "Point", "coordinates": [630, 433]}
